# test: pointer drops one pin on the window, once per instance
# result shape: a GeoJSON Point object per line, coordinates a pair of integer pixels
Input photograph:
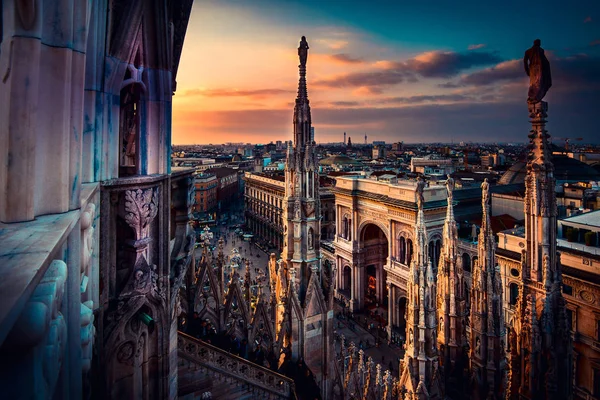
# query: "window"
{"type": "Point", "coordinates": [596, 382]}
{"type": "Point", "coordinates": [514, 294]}
{"type": "Point", "coordinates": [568, 290]}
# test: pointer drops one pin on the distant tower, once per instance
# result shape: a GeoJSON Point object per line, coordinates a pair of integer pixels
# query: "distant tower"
{"type": "Point", "coordinates": [540, 348]}
{"type": "Point", "coordinates": [344, 137]}
{"type": "Point", "coordinates": [365, 138]}
{"type": "Point", "coordinates": [419, 371]}
{"type": "Point", "coordinates": [488, 335]}
{"type": "Point", "coordinates": [309, 315]}
{"type": "Point", "coordinates": [349, 145]}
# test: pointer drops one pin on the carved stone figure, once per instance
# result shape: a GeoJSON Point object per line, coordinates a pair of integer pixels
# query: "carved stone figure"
{"type": "Point", "coordinates": [537, 68]}
{"type": "Point", "coordinates": [485, 191]}
{"type": "Point", "coordinates": [449, 186]}
{"type": "Point", "coordinates": [420, 188]}
{"type": "Point", "coordinates": [303, 51]}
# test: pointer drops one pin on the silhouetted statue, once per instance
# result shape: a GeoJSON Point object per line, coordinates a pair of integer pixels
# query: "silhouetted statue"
{"type": "Point", "coordinates": [303, 51]}
{"type": "Point", "coordinates": [537, 68]}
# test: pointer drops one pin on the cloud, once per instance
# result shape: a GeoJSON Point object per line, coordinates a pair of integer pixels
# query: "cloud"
{"type": "Point", "coordinates": [595, 43]}
{"type": "Point", "coordinates": [345, 103]}
{"type": "Point", "coordinates": [433, 64]}
{"type": "Point", "coordinates": [476, 46]}
{"type": "Point", "coordinates": [425, 99]}
{"type": "Point", "coordinates": [568, 73]}
{"type": "Point", "coordinates": [587, 20]}
{"type": "Point", "coordinates": [500, 121]}
{"type": "Point", "coordinates": [504, 71]}
{"type": "Point", "coordinates": [257, 93]}
{"type": "Point", "coordinates": [367, 91]}
{"type": "Point", "coordinates": [333, 44]}
{"type": "Point", "coordinates": [346, 59]}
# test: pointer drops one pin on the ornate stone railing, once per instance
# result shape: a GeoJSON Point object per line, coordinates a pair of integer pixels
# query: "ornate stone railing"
{"type": "Point", "coordinates": [47, 269]}
{"type": "Point", "coordinates": [236, 368]}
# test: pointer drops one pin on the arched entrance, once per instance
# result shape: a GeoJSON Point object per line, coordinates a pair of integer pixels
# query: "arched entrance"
{"type": "Point", "coordinates": [374, 245]}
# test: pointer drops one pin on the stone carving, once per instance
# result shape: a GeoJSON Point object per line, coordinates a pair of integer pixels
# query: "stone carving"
{"type": "Point", "coordinates": [537, 69]}
{"type": "Point", "coordinates": [303, 51]}
{"type": "Point", "coordinates": [41, 328]}
{"type": "Point", "coordinates": [449, 187]}
{"type": "Point", "coordinates": [420, 188]}
{"type": "Point", "coordinates": [125, 353]}
{"type": "Point", "coordinates": [87, 238]}
{"type": "Point", "coordinates": [485, 192]}
{"type": "Point", "coordinates": [141, 206]}
{"type": "Point", "coordinates": [309, 209]}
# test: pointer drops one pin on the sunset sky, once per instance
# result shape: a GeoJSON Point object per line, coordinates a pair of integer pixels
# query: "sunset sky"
{"type": "Point", "coordinates": [396, 70]}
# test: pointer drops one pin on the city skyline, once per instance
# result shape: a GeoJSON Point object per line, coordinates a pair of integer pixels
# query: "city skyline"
{"type": "Point", "coordinates": [396, 73]}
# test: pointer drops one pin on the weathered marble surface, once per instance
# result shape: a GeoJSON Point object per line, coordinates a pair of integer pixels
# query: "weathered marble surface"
{"type": "Point", "coordinates": [26, 251]}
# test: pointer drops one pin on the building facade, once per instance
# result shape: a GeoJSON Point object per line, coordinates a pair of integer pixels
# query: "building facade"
{"type": "Point", "coordinates": [206, 193]}
{"type": "Point", "coordinates": [227, 185]}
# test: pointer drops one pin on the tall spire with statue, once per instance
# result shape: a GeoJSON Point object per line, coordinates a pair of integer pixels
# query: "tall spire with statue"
{"type": "Point", "coordinates": [488, 334]}
{"type": "Point", "coordinates": [310, 302]}
{"type": "Point", "coordinates": [452, 304]}
{"type": "Point", "coordinates": [540, 349]}
{"type": "Point", "coordinates": [419, 371]}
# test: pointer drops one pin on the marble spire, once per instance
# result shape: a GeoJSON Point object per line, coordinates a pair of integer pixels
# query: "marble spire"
{"type": "Point", "coordinates": [420, 375]}
{"type": "Point", "coordinates": [487, 341]}
{"type": "Point", "coordinates": [540, 351]}
{"type": "Point", "coordinates": [452, 311]}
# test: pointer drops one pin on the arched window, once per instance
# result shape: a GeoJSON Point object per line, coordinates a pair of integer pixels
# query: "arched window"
{"type": "Point", "coordinates": [409, 251]}
{"type": "Point", "coordinates": [129, 129]}
{"type": "Point", "coordinates": [402, 250]}
{"type": "Point", "coordinates": [514, 294]}
{"type": "Point", "coordinates": [466, 261]}
{"type": "Point", "coordinates": [346, 228]}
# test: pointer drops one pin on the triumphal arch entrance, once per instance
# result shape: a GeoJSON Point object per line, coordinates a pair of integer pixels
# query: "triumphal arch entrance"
{"type": "Point", "coordinates": [374, 240]}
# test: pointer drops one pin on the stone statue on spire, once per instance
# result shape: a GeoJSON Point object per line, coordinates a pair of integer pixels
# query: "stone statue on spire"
{"type": "Point", "coordinates": [420, 188]}
{"type": "Point", "coordinates": [485, 191]}
{"type": "Point", "coordinates": [537, 69]}
{"type": "Point", "coordinates": [303, 51]}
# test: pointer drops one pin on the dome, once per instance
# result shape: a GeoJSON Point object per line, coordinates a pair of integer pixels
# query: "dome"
{"type": "Point", "coordinates": [566, 169]}
{"type": "Point", "coordinates": [339, 160]}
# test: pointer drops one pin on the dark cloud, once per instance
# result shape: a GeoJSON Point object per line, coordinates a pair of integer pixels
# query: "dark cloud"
{"type": "Point", "coordinates": [368, 79]}
{"type": "Point", "coordinates": [595, 43]}
{"type": "Point", "coordinates": [424, 99]}
{"type": "Point", "coordinates": [258, 93]}
{"type": "Point", "coordinates": [346, 59]}
{"type": "Point", "coordinates": [345, 103]}
{"type": "Point", "coordinates": [568, 73]}
{"type": "Point", "coordinates": [587, 20]}
{"type": "Point", "coordinates": [435, 64]}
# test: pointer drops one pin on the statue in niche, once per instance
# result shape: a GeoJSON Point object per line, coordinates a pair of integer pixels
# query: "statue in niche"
{"type": "Point", "coordinates": [310, 239]}
{"type": "Point", "coordinates": [303, 51]}
{"type": "Point", "coordinates": [537, 69]}
{"type": "Point", "coordinates": [478, 346]}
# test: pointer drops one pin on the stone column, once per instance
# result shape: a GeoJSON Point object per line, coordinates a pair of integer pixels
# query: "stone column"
{"type": "Point", "coordinates": [391, 306]}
